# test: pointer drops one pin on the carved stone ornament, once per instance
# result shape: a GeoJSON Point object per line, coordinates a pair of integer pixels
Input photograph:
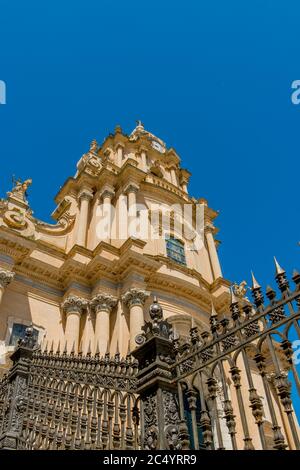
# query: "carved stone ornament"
{"type": "Point", "coordinates": [19, 219]}
{"type": "Point", "coordinates": [173, 438]}
{"type": "Point", "coordinates": [150, 410]}
{"type": "Point", "coordinates": [5, 277]}
{"type": "Point", "coordinates": [103, 302]}
{"type": "Point", "coordinates": [135, 297]}
{"type": "Point", "coordinates": [74, 304]}
{"type": "Point", "coordinates": [90, 162]}
{"type": "Point", "coordinates": [150, 422]}
{"type": "Point", "coordinates": [170, 407]}
{"type": "Point", "coordinates": [85, 194]}
{"type": "Point", "coordinates": [19, 190]}
{"type": "Point", "coordinates": [151, 438]}
{"type": "Point", "coordinates": [240, 290]}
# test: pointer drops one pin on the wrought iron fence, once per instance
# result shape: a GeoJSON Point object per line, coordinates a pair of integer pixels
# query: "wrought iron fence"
{"type": "Point", "coordinates": [61, 401]}
{"type": "Point", "coordinates": [230, 387]}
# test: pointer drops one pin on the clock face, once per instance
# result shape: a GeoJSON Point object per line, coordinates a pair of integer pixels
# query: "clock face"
{"type": "Point", "coordinates": [157, 146]}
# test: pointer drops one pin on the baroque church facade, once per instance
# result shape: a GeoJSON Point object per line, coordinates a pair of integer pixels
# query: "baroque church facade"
{"type": "Point", "coordinates": [126, 233]}
{"type": "Point", "coordinates": [82, 288]}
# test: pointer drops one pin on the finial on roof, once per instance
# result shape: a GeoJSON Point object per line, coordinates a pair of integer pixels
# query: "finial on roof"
{"type": "Point", "coordinates": [94, 146]}
{"type": "Point", "coordinates": [139, 124]}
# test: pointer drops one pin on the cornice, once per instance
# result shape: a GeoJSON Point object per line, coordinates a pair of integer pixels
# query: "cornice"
{"type": "Point", "coordinates": [161, 187]}
{"type": "Point", "coordinates": [181, 268]}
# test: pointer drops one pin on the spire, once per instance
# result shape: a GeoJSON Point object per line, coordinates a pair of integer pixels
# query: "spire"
{"type": "Point", "coordinates": [255, 284]}
{"type": "Point", "coordinates": [139, 125]}
{"type": "Point", "coordinates": [279, 269]}
{"type": "Point", "coordinates": [58, 348]}
{"type": "Point", "coordinates": [118, 129]}
{"type": "Point", "coordinates": [65, 349]}
{"type": "Point", "coordinates": [73, 349]}
{"type": "Point", "coordinates": [89, 351]}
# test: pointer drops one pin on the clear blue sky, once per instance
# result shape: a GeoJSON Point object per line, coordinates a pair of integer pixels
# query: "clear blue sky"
{"type": "Point", "coordinates": [211, 78]}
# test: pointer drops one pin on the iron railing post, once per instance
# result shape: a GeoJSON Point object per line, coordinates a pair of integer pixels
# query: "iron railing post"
{"type": "Point", "coordinates": [161, 425]}
{"type": "Point", "coordinates": [17, 394]}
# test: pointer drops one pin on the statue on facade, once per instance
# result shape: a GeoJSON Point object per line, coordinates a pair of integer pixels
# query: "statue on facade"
{"type": "Point", "coordinates": [240, 290]}
{"type": "Point", "coordinates": [19, 189]}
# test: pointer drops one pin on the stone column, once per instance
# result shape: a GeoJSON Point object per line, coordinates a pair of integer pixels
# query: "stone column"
{"type": "Point", "coordinates": [144, 159]}
{"type": "Point", "coordinates": [84, 197]}
{"type": "Point", "coordinates": [5, 278]}
{"type": "Point", "coordinates": [107, 195]}
{"type": "Point", "coordinates": [212, 250]}
{"type": "Point", "coordinates": [173, 176]}
{"type": "Point", "coordinates": [184, 186]}
{"type": "Point", "coordinates": [73, 306]}
{"type": "Point", "coordinates": [120, 151]}
{"type": "Point", "coordinates": [102, 305]}
{"type": "Point", "coordinates": [131, 191]}
{"type": "Point", "coordinates": [135, 300]}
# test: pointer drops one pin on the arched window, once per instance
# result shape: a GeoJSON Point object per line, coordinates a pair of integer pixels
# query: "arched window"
{"type": "Point", "coordinates": [175, 249]}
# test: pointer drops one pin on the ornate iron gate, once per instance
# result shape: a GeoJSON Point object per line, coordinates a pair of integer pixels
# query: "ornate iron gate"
{"type": "Point", "coordinates": [230, 387]}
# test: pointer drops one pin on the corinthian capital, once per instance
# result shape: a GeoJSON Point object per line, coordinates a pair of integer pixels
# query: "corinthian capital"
{"type": "Point", "coordinates": [85, 193]}
{"type": "Point", "coordinates": [131, 188]}
{"type": "Point", "coordinates": [135, 297]}
{"type": "Point", "coordinates": [5, 277]}
{"type": "Point", "coordinates": [74, 304]}
{"type": "Point", "coordinates": [103, 302]}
